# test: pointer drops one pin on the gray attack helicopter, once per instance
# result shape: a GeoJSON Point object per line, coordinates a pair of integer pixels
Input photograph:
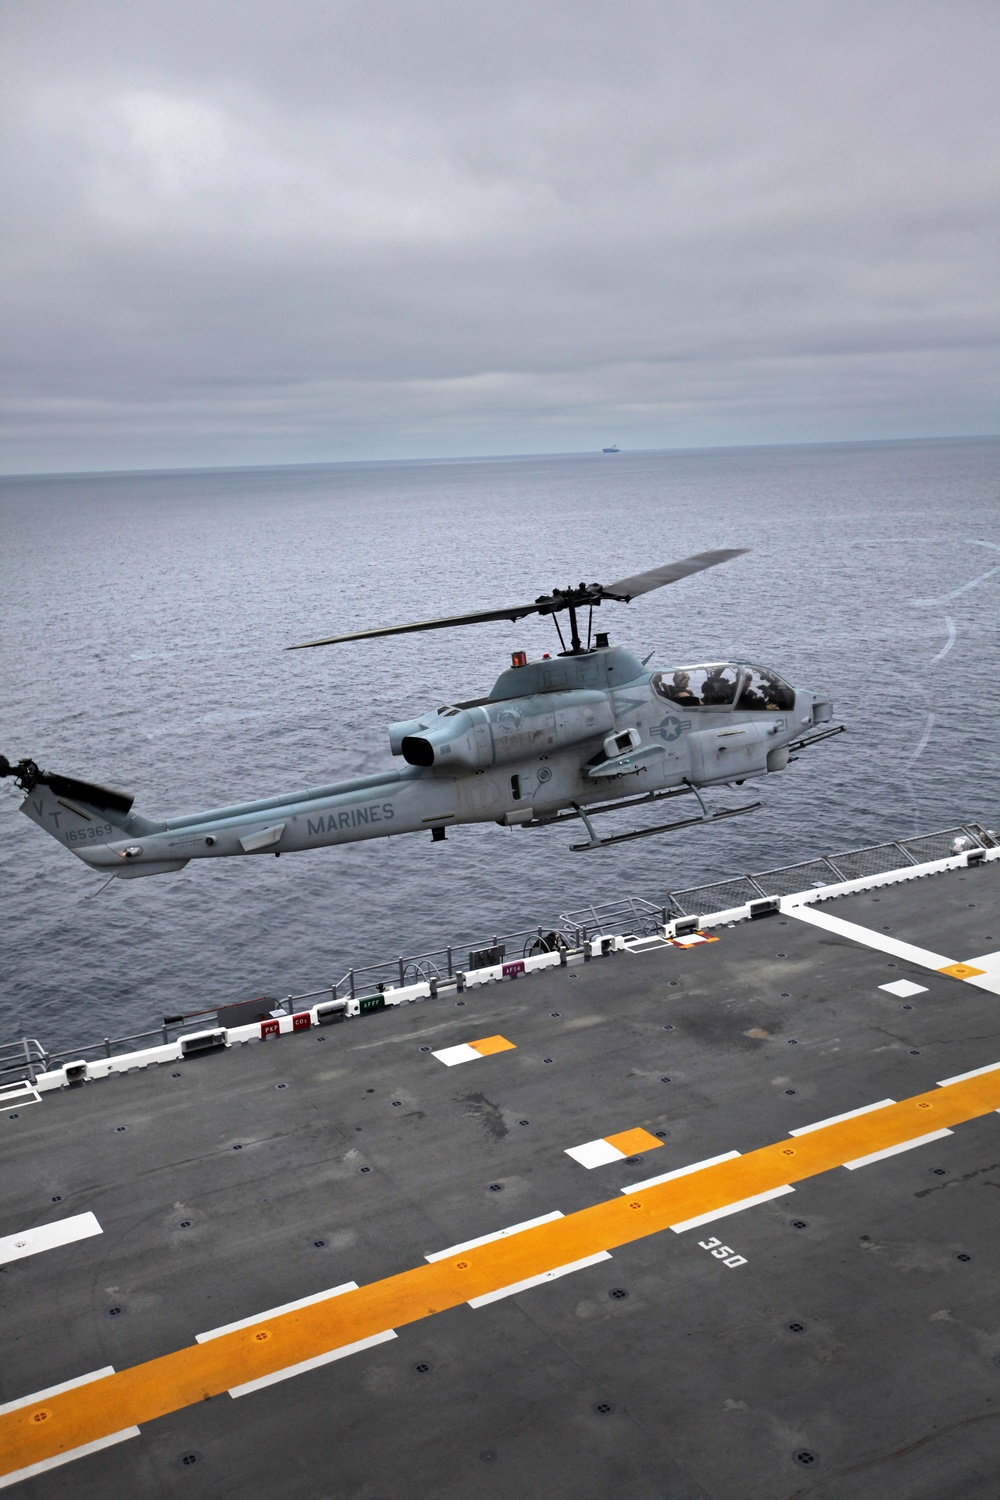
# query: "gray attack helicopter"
{"type": "Point", "coordinates": [567, 737]}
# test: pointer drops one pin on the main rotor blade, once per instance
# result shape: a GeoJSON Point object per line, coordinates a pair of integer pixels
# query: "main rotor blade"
{"type": "Point", "coordinates": [548, 604]}
{"type": "Point", "coordinates": [511, 612]}
{"type": "Point", "coordinates": [641, 583]}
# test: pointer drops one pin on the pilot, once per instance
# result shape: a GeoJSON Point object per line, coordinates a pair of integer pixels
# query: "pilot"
{"type": "Point", "coordinates": [749, 698]}
{"type": "Point", "coordinates": [775, 693]}
{"type": "Point", "coordinates": [680, 690]}
{"type": "Point", "coordinates": [717, 688]}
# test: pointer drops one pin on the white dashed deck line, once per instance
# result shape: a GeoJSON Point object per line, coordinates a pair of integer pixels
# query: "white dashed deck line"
{"type": "Point", "coordinates": [56, 1390]}
{"type": "Point", "coordinates": [904, 988]}
{"type": "Point", "coordinates": [973, 1073]}
{"type": "Point", "coordinates": [499, 1234]}
{"type": "Point", "coordinates": [595, 1154]}
{"type": "Point", "coordinates": [275, 1312]}
{"type": "Point", "coordinates": [311, 1364]}
{"type": "Point", "coordinates": [849, 1114]}
{"type": "Point", "coordinates": [696, 1166]}
{"type": "Point", "coordinates": [463, 1053]}
{"type": "Point", "coordinates": [731, 1208]}
{"type": "Point", "coordinates": [542, 1280]}
{"type": "Point", "coordinates": [921, 1140]}
{"type": "Point", "coordinates": [48, 1237]}
{"type": "Point", "coordinates": [65, 1458]}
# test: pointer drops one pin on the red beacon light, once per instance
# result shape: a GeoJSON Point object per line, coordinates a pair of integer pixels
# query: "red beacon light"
{"type": "Point", "coordinates": [519, 658]}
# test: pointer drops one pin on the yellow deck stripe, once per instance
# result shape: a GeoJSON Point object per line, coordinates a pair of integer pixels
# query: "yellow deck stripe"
{"type": "Point", "coordinates": [631, 1142]}
{"type": "Point", "coordinates": [130, 1397]}
{"type": "Point", "coordinates": [490, 1044]}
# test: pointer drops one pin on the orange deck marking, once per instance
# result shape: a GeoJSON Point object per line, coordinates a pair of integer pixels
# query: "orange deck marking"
{"type": "Point", "coordinates": [631, 1142]}
{"type": "Point", "coordinates": [491, 1044]}
{"type": "Point", "coordinates": [89, 1412]}
{"type": "Point", "coordinates": [961, 971]}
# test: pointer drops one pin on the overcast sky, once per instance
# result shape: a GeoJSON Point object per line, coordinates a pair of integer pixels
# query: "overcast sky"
{"type": "Point", "coordinates": [274, 231]}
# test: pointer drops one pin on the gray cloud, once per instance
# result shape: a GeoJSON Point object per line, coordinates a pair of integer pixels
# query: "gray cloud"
{"type": "Point", "coordinates": [247, 232]}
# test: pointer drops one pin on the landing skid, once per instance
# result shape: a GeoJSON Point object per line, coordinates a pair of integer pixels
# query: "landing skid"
{"type": "Point", "coordinates": [644, 833]}
{"type": "Point", "coordinates": [595, 842]}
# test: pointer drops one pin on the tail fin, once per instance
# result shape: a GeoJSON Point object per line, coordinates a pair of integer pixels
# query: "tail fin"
{"type": "Point", "coordinates": [80, 814]}
{"type": "Point", "coordinates": [77, 824]}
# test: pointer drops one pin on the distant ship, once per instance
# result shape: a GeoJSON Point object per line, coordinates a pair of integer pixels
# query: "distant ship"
{"type": "Point", "coordinates": [613, 449]}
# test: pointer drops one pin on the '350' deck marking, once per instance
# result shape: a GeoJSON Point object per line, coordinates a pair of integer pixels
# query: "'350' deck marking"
{"type": "Point", "coordinates": [722, 1252]}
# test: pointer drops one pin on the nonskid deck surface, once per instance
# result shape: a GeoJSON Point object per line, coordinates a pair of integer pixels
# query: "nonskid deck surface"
{"type": "Point", "coordinates": [291, 1200]}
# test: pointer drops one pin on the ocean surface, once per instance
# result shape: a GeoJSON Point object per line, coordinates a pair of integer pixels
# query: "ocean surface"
{"type": "Point", "coordinates": [142, 621]}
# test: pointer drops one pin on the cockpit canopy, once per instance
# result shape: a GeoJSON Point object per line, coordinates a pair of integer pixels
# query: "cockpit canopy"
{"type": "Point", "coordinates": [724, 685]}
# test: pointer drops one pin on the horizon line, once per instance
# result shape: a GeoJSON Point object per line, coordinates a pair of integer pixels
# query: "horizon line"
{"type": "Point", "coordinates": [334, 463]}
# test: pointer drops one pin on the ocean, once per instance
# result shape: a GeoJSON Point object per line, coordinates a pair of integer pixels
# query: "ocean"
{"type": "Point", "coordinates": [142, 624]}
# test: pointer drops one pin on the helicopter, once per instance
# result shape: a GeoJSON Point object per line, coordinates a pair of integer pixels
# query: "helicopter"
{"type": "Point", "coordinates": [563, 738]}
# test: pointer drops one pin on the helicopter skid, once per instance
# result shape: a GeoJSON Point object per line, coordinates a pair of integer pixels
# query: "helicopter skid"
{"type": "Point", "coordinates": [603, 807]}
{"type": "Point", "coordinates": [645, 833]}
{"type": "Point", "coordinates": [594, 842]}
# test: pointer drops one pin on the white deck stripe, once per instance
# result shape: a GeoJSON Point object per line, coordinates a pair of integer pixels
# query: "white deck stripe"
{"type": "Point", "coordinates": [973, 1073]}
{"type": "Point", "coordinates": [849, 1114]}
{"type": "Point", "coordinates": [988, 982]}
{"type": "Point", "coordinates": [48, 1237]}
{"type": "Point", "coordinates": [921, 1140]}
{"type": "Point", "coordinates": [275, 1312]}
{"type": "Point", "coordinates": [56, 1390]}
{"type": "Point", "coordinates": [595, 1154]}
{"type": "Point", "coordinates": [65, 1458]}
{"type": "Point", "coordinates": [546, 1276]}
{"type": "Point", "coordinates": [499, 1234]}
{"type": "Point", "coordinates": [312, 1364]}
{"type": "Point", "coordinates": [450, 1056]}
{"type": "Point", "coordinates": [880, 940]}
{"type": "Point", "coordinates": [732, 1208]}
{"type": "Point", "coordinates": [696, 1166]}
{"type": "Point", "coordinates": [988, 961]}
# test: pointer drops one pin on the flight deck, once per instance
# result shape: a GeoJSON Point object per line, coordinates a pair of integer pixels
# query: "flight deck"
{"type": "Point", "coordinates": [715, 1216]}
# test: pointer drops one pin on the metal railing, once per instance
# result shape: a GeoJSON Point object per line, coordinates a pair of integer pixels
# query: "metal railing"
{"type": "Point", "coordinates": [831, 869]}
{"type": "Point", "coordinates": [27, 1057]}
{"type": "Point", "coordinates": [21, 1059]}
{"type": "Point", "coordinates": [445, 963]}
{"type": "Point", "coordinates": [631, 914]}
